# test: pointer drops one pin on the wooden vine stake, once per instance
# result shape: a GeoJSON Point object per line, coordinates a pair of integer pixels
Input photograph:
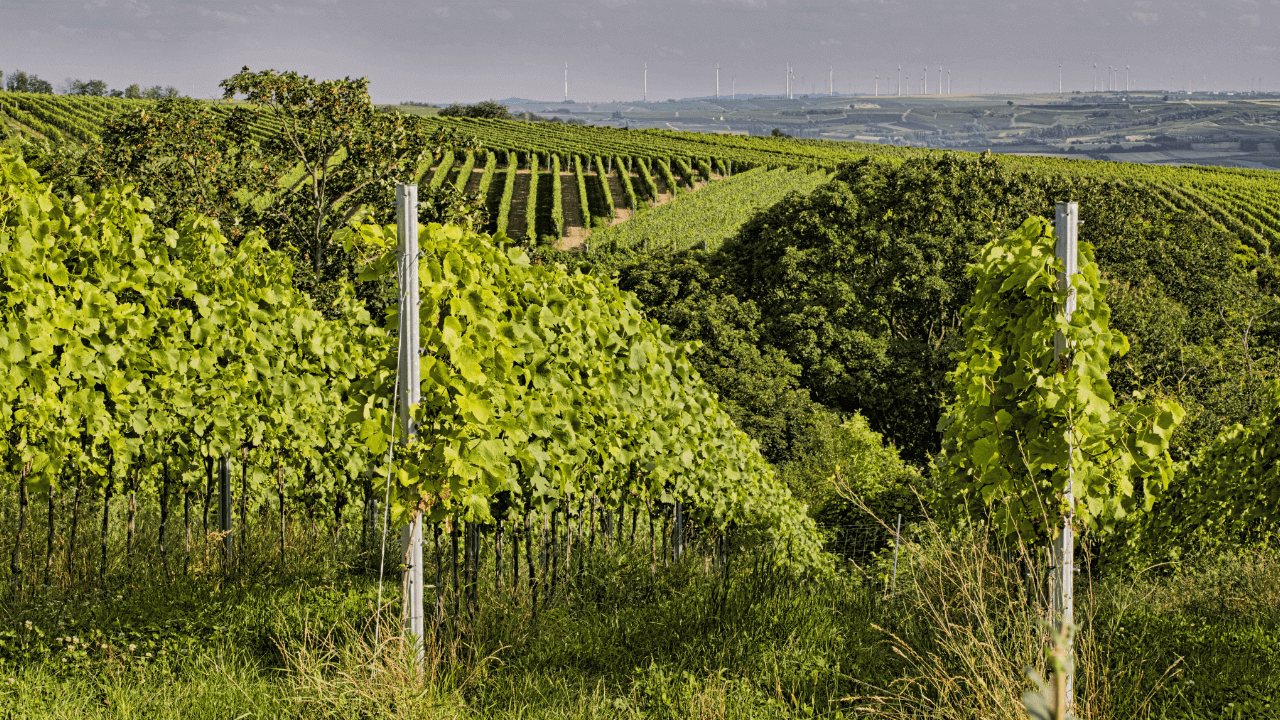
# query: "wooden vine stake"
{"type": "Point", "coordinates": [1066, 225]}
{"type": "Point", "coordinates": [409, 392]}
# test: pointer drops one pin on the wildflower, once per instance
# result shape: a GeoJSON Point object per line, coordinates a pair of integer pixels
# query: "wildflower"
{"type": "Point", "coordinates": [132, 647]}
{"type": "Point", "coordinates": [148, 654]}
{"type": "Point", "coordinates": [28, 624]}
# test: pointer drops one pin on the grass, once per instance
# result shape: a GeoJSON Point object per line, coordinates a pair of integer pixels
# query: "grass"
{"type": "Point", "coordinates": [623, 640]}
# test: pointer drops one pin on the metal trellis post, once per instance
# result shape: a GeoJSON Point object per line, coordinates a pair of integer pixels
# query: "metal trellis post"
{"type": "Point", "coordinates": [409, 391]}
{"type": "Point", "coordinates": [1066, 226]}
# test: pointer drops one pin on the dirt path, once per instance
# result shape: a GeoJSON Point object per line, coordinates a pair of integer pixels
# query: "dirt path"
{"type": "Point", "coordinates": [621, 215]}
{"type": "Point", "coordinates": [473, 184]}
{"type": "Point", "coordinates": [664, 193]}
{"type": "Point", "coordinates": [615, 189]}
{"type": "Point", "coordinates": [516, 222]}
{"type": "Point", "coordinates": [574, 233]}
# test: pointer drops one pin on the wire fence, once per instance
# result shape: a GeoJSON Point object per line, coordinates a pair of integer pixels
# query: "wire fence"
{"type": "Point", "coordinates": [864, 543]}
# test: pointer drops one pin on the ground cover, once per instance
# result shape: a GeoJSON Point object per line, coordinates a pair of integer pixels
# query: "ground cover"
{"type": "Point", "coordinates": [626, 639]}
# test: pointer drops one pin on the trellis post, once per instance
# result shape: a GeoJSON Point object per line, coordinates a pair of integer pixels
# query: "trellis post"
{"type": "Point", "coordinates": [409, 393]}
{"type": "Point", "coordinates": [1066, 226]}
{"type": "Point", "coordinates": [224, 505]}
{"type": "Point", "coordinates": [897, 540]}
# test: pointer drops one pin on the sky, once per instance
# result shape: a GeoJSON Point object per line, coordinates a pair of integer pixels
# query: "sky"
{"type": "Point", "coordinates": [487, 49]}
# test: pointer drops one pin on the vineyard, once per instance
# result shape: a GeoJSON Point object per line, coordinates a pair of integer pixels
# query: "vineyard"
{"type": "Point", "coordinates": [634, 171]}
{"type": "Point", "coordinates": [794, 429]}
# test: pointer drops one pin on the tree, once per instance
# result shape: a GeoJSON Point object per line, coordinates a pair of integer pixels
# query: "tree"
{"type": "Point", "coordinates": [96, 88]}
{"type": "Point", "coordinates": [862, 284]}
{"type": "Point", "coordinates": [133, 92]}
{"type": "Point", "coordinates": [189, 158]}
{"type": "Point", "coordinates": [20, 81]}
{"type": "Point", "coordinates": [488, 109]}
{"type": "Point", "coordinates": [350, 155]}
{"type": "Point", "coordinates": [158, 93]}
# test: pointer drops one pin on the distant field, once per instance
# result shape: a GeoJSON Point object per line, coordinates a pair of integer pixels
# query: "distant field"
{"type": "Point", "coordinates": [711, 216]}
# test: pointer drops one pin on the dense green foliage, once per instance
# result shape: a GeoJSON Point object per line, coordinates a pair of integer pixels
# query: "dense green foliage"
{"type": "Point", "coordinates": [487, 109]}
{"type": "Point", "coordinates": [130, 351]}
{"type": "Point", "coordinates": [463, 176]}
{"type": "Point", "coordinates": [1027, 423]}
{"type": "Point", "coordinates": [1225, 495]}
{"type": "Point", "coordinates": [531, 200]}
{"type": "Point", "coordinates": [624, 179]}
{"type": "Point", "coordinates": [557, 197]}
{"type": "Point", "coordinates": [542, 385]}
{"type": "Point", "coordinates": [508, 191]}
{"type": "Point", "coordinates": [757, 385]}
{"type": "Point", "coordinates": [863, 283]}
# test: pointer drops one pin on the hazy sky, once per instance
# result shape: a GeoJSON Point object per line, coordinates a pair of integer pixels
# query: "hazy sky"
{"type": "Point", "coordinates": [469, 51]}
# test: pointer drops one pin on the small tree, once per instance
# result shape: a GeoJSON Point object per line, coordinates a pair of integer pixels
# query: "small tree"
{"type": "Point", "coordinates": [189, 158]}
{"type": "Point", "coordinates": [1024, 422]}
{"type": "Point", "coordinates": [351, 156]}
{"type": "Point", "coordinates": [96, 88]}
{"type": "Point", "coordinates": [20, 81]}
{"type": "Point", "coordinates": [157, 92]}
{"type": "Point", "coordinates": [488, 109]}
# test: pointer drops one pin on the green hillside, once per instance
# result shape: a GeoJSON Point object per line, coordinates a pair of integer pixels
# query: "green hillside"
{"type": "Point", "coordinates": [1245, 202]}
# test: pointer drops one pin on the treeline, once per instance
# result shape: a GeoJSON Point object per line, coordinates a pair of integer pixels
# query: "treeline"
{"type": "Point", "coordinates": [20, 81]}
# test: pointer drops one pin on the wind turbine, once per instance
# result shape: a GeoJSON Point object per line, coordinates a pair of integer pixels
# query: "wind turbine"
{"type": "Point", "coordinates": [1126, 78]}
{"type": "Point", "coordinates": [1059, 78]}
{"type": "Point", "coordinates": [899, 79]}
{"type": "Point", "coordinates": [877, 83]}
{"type": "Point", "coordinates": [1095, 77]}
{"type": "Point", "coordinates": [646, 82]}
{"type": "Point", "coordinates": [948, 81]}
{"type": "Point", "coordinates": [924, 81]}
{"type": "Point", "coordinates": [717, 81]}
{"type": "Point", "coordinates": [939, 79]}
{"type": "Point", "coordinates": [566, 82]}
{"type": "Point", "coordinates": [831, 76]}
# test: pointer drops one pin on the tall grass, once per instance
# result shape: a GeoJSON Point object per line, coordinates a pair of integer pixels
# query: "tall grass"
{"type": "Point", "coordinates": [632, 634]}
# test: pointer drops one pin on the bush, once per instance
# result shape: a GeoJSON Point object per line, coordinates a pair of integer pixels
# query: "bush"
{"type": "Point", "coordinates": [842, 469]}
{"type": "Point", "coordinates": [487, 109]}
{"type": "Point", "coordinates": [861, 283]}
